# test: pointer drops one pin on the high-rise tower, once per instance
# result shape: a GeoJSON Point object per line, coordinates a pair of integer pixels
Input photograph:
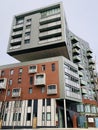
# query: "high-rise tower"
{"type": "Point", "coordinates": [54, 85]}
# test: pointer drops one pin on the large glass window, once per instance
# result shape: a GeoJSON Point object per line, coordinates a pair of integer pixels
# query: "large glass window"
{"type": "Point", "coordinates": [48, 116]}
{"type": "Point", "coordinates": [87, 108]}
{"type": "Point", "coordinates": [50, 12]}
{"type": "Point", "coordinates": [19, 21]}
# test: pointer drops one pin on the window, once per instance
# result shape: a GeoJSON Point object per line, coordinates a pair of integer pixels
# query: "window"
{"type": "Point", "coordinates": [52, 89]}
{"type": "Point", "coordinates": [16, 92]}
{"type": "Point", "coordinates": [28, 116]}
{"type": "Point", "coordinates": [11, 72]}
{"type": "Point", "coordinates": [48, 116]}
{"type": "Point", "coordinates": [2, 73]}
{"type": "Point", "coordinates": [80, 108]}
{"type": "Point", "coordinates": [7, 104]}
{"type": "Point", "coordinates": [8, 93]}
{"type": "Point", "coordinates": [48, 102]}
{"type": "Point", "coordinates": [40, 79]}
{"type": "Point", "coordinates": [31, 80]}
{"type": "Point", "coordinates": [43, 102]}
{"type": "Point", "coordinates": [29, 103]}
{"type": "Point", "coordinates": [27, 34]}
{"type": "Point", "coordinates": [19, 21]}
{"type": "Point", "coordinates": [10, 82]}
{"type": "Point", "coordinates": [43, 67]}
{"type": "Point", "coordinates": [18, 104]}
{"type": "Point", "coordinates": [28, 20]}
{"type": "Point", "coordinates": [5, 117]}
{"type": "Point", "coordinates": [27, 41]}
{"type": "Point", "coordinates": [53, 67]}
{"type": "Point", "coordinates": [19, 116]}
{"type": "Point", "coordinates": [87, 108]}
{"type": "Point", "coordinates": [19, 80]}
{"type": "Point", "coordinates": [20, 70]}
{"type": "Point", "coordinates": [15, 116]}
{"type": "Point", "coordinates": [30, 90]}
{"type": "Point", "coordinates": [50, 12]}
{"type": "Point", "coordinates": [43, 89]}
{"type": "Point", "coordinates": [28, 26]}
{"type": "Point", "coordinates": [43, 116]}
{"type": "Point", "coordinates": [33, 69]}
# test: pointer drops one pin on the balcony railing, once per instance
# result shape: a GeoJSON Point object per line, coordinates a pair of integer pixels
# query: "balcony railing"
{"type": "Point", "coordinates": [50, 26]}
{"type": "Point", "coordinates": [76, 58]}
{"type": "Point", "coordinates": [16, 27]}
{"type": "Point", "coordinates": [16, 40]}
{"type": "Point", "coordinates": [50, 40]}
{"type": "Point", "coordinates": [39, 79]}
{"type": "Point", "coordinates": [51, 91]}
{"type": "Point", "coordinates": [49, 19]}
{"type": "Point", "coordinates": [73, 95]}
{"type": "Point", "coordinates": [76, 45]}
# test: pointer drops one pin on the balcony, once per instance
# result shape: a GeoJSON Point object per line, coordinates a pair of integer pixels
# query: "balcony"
{"type": "Point", "coordinates": [3, 83]}
{"type": "Point", "coordinates": [32, 69]}
{"type": "Point", "coordinates": [52, 89]}
{"type": "Point", "coordinates": [74, 40]}
{"type": "Point", "coordinates": [15, 47]}
{"type": "Point", "coordinates": [18, 27]}
{"type": "Point", "coordinates": [80, 67]}
{"type": "Point", "coordinates": [76, 45]}
{"type": "Point", "coordinates": [28, 23]}
{"type": "Point", "coordinates": [84, 91]}
{"type": "Point", "coordinates": [49, 26]}
{"type": "Point", "coordinates": [92, 80]}
{"type": "Point", "coordinates": [83, 83]}
{"type": "Point", "coordinates": [49, 34]}
{"type": "Point", "coordinates": [91, 67]}
{"type": "Point", "coordinates": [16, 34]}
{"type": "Point", "coordinates": [16, 92]}
{"type": "Point", "coordinates": [40, 79]}
{"type": "Point", "coordinates": [89, 51]}
{"type": "Point", "coordinates": [50, 40]}
{"type": "Point", "coordinates": [76, 59]}
{"type": "Point", "coordinates": [16, 40]}
{"type": "Point", "coordinates": [91, 61]}
{"type": "Point", "coordinates": [73, 95]}
{"type": "Point", "coordinates": [67, 81]}
{"type": "Point", "coordinates": [89, 55]}
{"type": "Point", "coordinates": [50, 19]}
{"type": "Point", "coordinates": [80, 74]}
{"type": "Point", "coordinates": [75, 51]}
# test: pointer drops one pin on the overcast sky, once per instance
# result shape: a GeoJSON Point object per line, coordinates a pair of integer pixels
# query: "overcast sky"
{"type": "Point", "coordinates": [81, 15]}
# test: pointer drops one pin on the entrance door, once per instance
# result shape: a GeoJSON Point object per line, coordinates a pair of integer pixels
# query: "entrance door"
{"type": "Point", "coordinates": [34, 122]}
{"type": "Point", "coordinates": [96, 122]}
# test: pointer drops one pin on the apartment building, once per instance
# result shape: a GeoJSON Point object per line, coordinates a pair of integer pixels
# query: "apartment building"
{"type": "Point", "coordinates": [54, 85]}
{"type": "Point", "coordinates": [82, 55]}
{"type": "Point", "coordinates": [39, 34]}
{"type": "Point", "coordinates": [28, 92]}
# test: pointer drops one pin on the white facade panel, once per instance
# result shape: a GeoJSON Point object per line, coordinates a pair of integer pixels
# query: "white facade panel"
{"type": "Point", "coordinates": [39, 118]}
